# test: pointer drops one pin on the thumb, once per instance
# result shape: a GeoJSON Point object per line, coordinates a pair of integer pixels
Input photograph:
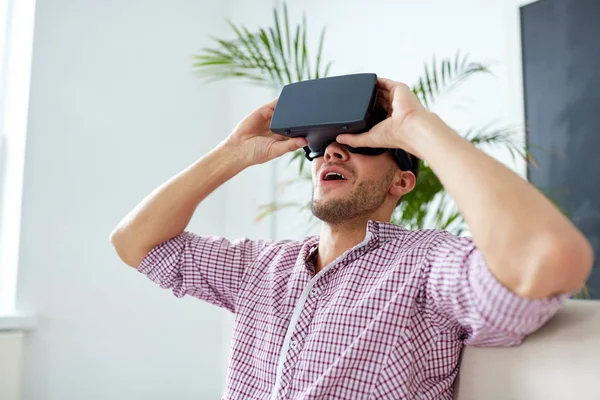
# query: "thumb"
{"type": "Point", "coordinates": [285, 146]}
{"type": "Point", "coordinates": [373, 138]}
{"type": "Point", "coordinates": [356, 140]}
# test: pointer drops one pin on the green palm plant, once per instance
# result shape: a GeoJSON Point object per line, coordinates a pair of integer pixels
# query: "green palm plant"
{"type": "Point", "coordinates": [278, 55]}
{"type": "Point", "coordinates": [270, 57]}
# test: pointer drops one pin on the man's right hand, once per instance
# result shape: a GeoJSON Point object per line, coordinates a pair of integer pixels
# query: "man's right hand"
{"type": "Point", "coordinates": [167, 210]}
{"type": "Point", "coordinates": [255, 143]}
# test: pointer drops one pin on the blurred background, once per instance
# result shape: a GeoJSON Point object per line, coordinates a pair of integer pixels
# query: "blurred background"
{"type": "Point", "coordinates": [101, 102]}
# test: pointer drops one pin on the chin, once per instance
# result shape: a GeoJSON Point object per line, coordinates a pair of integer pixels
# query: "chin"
{"type": "Point", "coordinates": [328, 196]}
{"type": "Point", "coordinates": [332, 189]}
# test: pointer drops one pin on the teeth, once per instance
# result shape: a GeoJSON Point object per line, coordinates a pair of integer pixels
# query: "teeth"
{"type": "Point", "coordinates": [332, 174]}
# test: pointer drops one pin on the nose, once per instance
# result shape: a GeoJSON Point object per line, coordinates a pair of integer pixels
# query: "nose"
{"type": "Point", "coordinates": [336, 152]}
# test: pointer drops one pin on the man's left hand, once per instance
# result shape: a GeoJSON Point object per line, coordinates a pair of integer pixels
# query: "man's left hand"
{"type": "Point", "coordinates": [401, 105]}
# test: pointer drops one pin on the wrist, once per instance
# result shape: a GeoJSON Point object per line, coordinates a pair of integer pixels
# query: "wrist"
{"type": "Point", "coordinates": [235, 155]}
{"type": "Point", "coordinates": [425, 131]}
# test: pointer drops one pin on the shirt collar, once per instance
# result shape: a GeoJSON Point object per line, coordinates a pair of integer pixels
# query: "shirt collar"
{"type": "Point", "coordinates": [384, 231]}
{"type": "Point", "coordinates": [377, 232]}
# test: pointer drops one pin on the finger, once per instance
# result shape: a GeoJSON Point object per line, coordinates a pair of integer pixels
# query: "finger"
{"type": "Point", "coordinates": [384, 94]}
{"type": "Point", "coordinates": [357, 140]}
{"type": "Point", "coordinates": [266, 112]}
{"type": "Point", "coordinates": [386, 105]}
{"type": "Point", "coordinates": [386, 84]}
{"type": "Point", "coordinates": [271, 104]}
{"type": "Point", "coordinates": [282, 147]}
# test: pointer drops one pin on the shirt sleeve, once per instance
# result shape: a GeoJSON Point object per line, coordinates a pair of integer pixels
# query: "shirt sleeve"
{"type": "Point", "coordinates": [210, 268]}
{"type": "Point", "coordinates": [462, 291]}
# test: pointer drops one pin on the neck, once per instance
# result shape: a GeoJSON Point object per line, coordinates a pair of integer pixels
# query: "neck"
{"type": "Point", "coordinates": [335, 239]}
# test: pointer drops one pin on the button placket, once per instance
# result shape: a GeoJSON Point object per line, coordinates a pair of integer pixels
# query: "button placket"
{"type": "Point", "coordinates": [301, 318]}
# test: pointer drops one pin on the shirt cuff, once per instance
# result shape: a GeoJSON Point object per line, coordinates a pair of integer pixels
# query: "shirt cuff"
{"type": "Point", "coordinates": [159, 263]}
{"type": "Point", "coordinates": [506, 310]}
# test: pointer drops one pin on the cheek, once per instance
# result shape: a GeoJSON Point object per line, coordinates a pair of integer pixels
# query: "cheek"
{"type": "Point", "coordinates": [371, 168]}
{"type": "Point", "coordinates": [315, 166]}
{"type": "Point", "coordinates": [375, 171]}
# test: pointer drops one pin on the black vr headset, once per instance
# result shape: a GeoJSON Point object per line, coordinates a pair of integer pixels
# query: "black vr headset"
{"type": "Point", "coordinates": [321, 109]}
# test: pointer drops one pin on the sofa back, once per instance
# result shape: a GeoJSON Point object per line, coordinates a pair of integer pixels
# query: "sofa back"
{"type": "Point", "coordinates": [560, 361]}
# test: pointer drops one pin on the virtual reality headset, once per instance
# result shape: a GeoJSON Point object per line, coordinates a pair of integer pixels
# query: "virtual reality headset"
{"type": "Point", "coordinates": [321, 109]}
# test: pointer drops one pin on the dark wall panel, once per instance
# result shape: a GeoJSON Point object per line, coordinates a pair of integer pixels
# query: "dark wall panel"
{"type": "Point", "coordinates": [561, 73]}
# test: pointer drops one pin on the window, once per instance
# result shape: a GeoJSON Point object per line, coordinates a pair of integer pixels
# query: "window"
{"type": "Point", "coordinates": [16, 40]}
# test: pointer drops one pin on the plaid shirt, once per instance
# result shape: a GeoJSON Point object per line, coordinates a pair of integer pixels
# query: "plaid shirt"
{"type": "Point", "coordinates": [386, 320]}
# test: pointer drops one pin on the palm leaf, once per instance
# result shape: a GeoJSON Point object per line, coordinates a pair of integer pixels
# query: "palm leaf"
{"type": "Point", "coordinates": [248, 47]}
{"type": "Point", "coordinates": [439, 78]}
{"type": "Point", "coordinates": [277, 41]}
{"type": "Point", "coordinates": [506, 138]}
{"type": "Point", "coordinates": [297, 61]}
{"type": "Point", "coordinates": [299, 155]}
{"type": "Point", "coordinates": [270, 56]}
{"type": "Point", "coordinates": [319, 54]}
{"type": "Point", "coordinates": [287, 30]}
{"type": "Point", "coordinates": [270, 52]}
{"type": "Point", "coordinates": [430, 202]}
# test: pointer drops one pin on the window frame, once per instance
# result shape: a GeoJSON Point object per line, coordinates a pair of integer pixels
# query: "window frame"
{"type": "Point", "coordinates": [17, 19]}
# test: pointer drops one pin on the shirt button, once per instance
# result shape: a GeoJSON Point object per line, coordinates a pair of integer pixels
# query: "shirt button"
{"type": "Point", "coordinates": [314, 292]}
{"type": "Point", "coordinates": [293, 344]}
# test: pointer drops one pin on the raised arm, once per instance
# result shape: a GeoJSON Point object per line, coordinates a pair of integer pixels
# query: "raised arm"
{"type": "Point", "coordinates": [528, 244]}
{"type": "Point", "coordinates": [166, 211]}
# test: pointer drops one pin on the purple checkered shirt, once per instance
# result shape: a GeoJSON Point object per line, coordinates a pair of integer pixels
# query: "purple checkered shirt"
{"type": "Point", "coordinates": [386, 320]}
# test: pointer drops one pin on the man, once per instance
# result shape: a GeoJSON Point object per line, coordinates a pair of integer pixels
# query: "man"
{"type": "Point", "coordinates": [366, 309]}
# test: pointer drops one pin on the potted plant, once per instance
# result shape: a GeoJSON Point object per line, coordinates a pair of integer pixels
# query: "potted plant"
{"type": "Point", "coordinates": [278, 55]}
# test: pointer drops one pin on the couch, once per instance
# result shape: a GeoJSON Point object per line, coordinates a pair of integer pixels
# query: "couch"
{"type": "Point", "coordinates": [560, 361]}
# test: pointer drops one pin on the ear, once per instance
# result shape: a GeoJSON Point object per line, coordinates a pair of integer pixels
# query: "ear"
{"type": "Point", "coordinates": [403, 183]}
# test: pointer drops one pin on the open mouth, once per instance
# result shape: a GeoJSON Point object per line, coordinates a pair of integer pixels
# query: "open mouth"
{"type": "Point", "coordinates": [334, 176]}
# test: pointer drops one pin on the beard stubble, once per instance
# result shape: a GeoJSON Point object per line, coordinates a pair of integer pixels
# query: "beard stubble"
{"type": "Point", "coordinates": [363, 200]}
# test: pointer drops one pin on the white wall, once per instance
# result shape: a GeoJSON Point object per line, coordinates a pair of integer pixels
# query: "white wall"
{"type": "Point", "coordinates": [114, 111]}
